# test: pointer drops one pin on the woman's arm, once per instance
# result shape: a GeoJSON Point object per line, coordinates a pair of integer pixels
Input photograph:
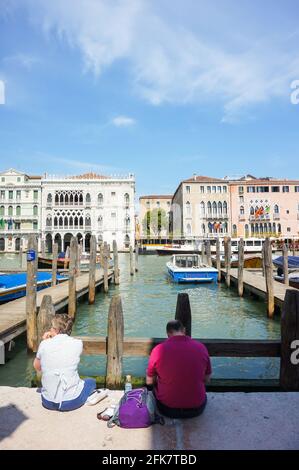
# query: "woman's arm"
{"type": "Point", "coordinates": [37, 365]}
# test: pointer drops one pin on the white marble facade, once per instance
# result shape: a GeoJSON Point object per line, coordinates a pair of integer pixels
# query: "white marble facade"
{"type": "Point", "coordinates": [80, 206]}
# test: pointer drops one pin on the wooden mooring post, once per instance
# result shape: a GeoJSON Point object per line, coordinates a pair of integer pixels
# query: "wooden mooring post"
{"type": "Point", "coordinates": [115, 263]}
{"type": "Point", "coordinates": [54, 264]}
{"type": "Point", "coordinates": [227, 258]}
{"type": "Point", "coordinates": [102, 255]}
{"type": "Point", "coordinates": [289, 364]}
{"type": "Point", "coordinates": [285, 253]}
{"type": "Point", "coordinates": [45, 316]}
{"type": "Point", "coordinates": [106, 255]}
{"type": "Point", "coordinates": [183, 312]}
{"type": "Point", "coordinates": [208, 253]}
{"type": "Point", "coordinates": [136, 258]}
{"type": "Point", "coordinates": [269, 277]}
{"type": "Point", "coordinates": [218, 259]}
{"type": "Point", "coordinates": [32, 261]}
{"type": "Point", "coordinates": [72, 305]}
{"type": "Point", "coordinates": [132, 269]}
{"type": "Point", "coordinates": [92, 270]}
{"type": "Point", "coordinates": [240, 267]}
{"type": "Point", "coordinates": [115, 344]}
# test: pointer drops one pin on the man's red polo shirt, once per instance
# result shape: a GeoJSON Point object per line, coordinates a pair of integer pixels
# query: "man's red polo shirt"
{"type": "Point", "coordinates": [180, 365]}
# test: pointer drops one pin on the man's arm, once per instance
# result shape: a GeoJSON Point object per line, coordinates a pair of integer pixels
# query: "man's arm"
{"type": "Point", "coordinates": [207, 379]}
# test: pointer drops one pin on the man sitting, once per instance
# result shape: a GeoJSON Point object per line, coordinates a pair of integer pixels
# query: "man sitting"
{"type": "Point", "coordinates": [178, 369]}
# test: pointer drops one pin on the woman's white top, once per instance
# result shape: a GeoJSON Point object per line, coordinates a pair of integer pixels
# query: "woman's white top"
{"type": "Point", "coordinates": [59, 357]}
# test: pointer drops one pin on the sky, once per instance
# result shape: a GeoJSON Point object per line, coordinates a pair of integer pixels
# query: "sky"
{"type": "Point", "coordinates": [159, 88]}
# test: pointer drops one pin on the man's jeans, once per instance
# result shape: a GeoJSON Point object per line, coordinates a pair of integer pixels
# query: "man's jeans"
{"type": "Point", "coordinates": [70, 405]}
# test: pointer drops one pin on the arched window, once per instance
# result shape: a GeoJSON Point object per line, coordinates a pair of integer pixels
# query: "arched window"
{"type": "Point", "coordinates": [35, 210]}
{"type": "Point", "coordinates": [71, 222]}
{"type": "Point", "coordinates": [71, 199]}
{"type": "Point", "coordinates": [246, 230]}
{"type": "Point", "coordinates": [49, 221]}
{"type": "Point", "coordinates": [75, 222]}
{"type": "Point", "coordinates": [234, 230]}
{"type": "Point", "coordinates": [225, 207]}
{"type": "Point", "coordinates": [10, 210]}
{"type": "Point", "coordinates": [274, 227]}
{"type": "Point", "coordinates": [256, 228]}
{"type": "Point", "coordinates": [188, 229]}
{"type": "Point", "coordinates": [66, 222]}
{"type": "Point", "coordinates": [56, 199]}
{"type": "Point", "coordinates": [127, 222]}
{"type": "Point", "coordinates": [81, 222]}
{"type": "Point", "coordinates": [214, 208]}
{"type": "Point", "coordinates": [66, 200]}
{"type": "Point", "coordinates": [87, 198]}
{"type": "Point", "coordinates": [60, 222]}
{"type": "Point", "coordinates": [127, 199]}
{"type": "Point", "coordinates": [76, 200]}
{"type": "Point", "coordinates": [2, 210]}
{"type": "Point", "coordinates": [203, 228]}
{"type": "Point", "coordinates": [80, 199]}
{"type": "Point", "coordinates": [220, 207]}
{"type": "Point", "coordinates": [100, 222]}
{"type": "Point", "coordinates": [261, 228]}
{"type": "Point", "coordinates": [251, 210]}
{"type": "Point", "coordinates": [55, 222]}
{"type": "Point", "coordinates": [188, 208]}
{"type": "Point", "coordinates": [242, 210]}
{"type": "Point", "coordinates": [252, 229]}
{"type": "Point", "coordinates": [49, 198]}
{"type": "Point", "coordinates": [202, 208]}
{"type": "Point", "coordinates": [87, 221]}
{"type": "Point", "coordinates": [279, 228]}
{"type": "Point", "coordinates": [100, 199]}
{"type": "Point", "coordinates": [209, 208]}
{"type": "Point", "coordinates": [61, 199]}
{"type": "Point", "coordinates": [18, 210]}
{"type": "Point", "coordinates": [276, 209]}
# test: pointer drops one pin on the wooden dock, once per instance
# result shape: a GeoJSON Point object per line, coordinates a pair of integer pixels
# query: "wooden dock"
{"type": "Point", "coordinates": [13, 314]}
{"type": "Point", "coordinates": [255, 282]}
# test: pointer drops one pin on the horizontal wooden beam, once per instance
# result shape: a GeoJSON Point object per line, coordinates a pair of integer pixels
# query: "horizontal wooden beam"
{"type": "Point", "coordinates": [97, 345]}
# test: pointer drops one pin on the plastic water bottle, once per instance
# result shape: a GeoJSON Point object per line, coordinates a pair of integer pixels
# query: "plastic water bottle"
{"type": "Point", "coordinates": [128, 384]}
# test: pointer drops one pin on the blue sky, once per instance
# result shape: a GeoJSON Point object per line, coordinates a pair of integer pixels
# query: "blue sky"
{"type": "Point", "coordinates": [160, 88]}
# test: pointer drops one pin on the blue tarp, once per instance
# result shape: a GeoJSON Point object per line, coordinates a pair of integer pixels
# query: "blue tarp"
{"type": "Point", "coordinates": [7, 281]}
{"type": "Point", "coordinates": [293, 262]}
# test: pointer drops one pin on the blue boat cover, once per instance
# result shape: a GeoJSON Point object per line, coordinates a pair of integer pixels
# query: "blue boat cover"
{"type": "Point", "coordinates": [8, 281]}
{"type": "Point", "coordinates": [293, 262]}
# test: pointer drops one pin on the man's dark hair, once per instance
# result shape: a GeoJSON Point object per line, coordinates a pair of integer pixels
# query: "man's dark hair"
{"type": "Point", "coordinates": [174, 325]}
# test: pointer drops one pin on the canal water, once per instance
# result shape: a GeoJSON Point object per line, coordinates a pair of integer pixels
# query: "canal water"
{"type": "Point", "coordinates": [149, 301]}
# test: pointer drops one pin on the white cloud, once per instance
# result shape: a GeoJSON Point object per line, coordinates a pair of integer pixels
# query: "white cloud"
{"type": "Point", "coordinates": [123, 121]}
{"type": "Point", "coordinates": [25, 60]}
{"type": "Point", "coordinates": [2, 92]}
{"type": "Point", "coordinates": [171, 62]}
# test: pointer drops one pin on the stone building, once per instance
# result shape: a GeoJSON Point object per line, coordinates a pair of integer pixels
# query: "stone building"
{"type": "Point", "coordinates": [154, 213]}
{"type": "Point", "coordinates": [20, 209]}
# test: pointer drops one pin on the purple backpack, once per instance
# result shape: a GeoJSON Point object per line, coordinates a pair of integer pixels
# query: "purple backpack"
{"type": "Point", "coordinates": [136, 409]}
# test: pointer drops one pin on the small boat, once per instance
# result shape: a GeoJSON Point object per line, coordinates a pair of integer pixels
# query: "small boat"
{"type": "Point", "coordinates": [233, 261]}
{"type": "Point", "coordinates": [13, 286]}
{"type": "Point", "coordinates": [250, 261]}
{"type": "Point", "coordinates": [176, 249]}
{"type": "Point", "coordinates": [46, 263]}
{"type": "Point", "coordinates": [189, 269]}
{"type": "Point", "coordinates": [293, 263]}
{"type": "Point", "coordinates": [293, 279]}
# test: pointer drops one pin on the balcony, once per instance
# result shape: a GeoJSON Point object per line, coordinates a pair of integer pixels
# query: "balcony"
{"type": "Point", "coordinates": [276, 216]}
{"type": "Point", "coordinates": [260, 218]}
{"type": "Point", "coordinates": [215, 216]}
{"type": "Point", "coordinates": [242, 218]}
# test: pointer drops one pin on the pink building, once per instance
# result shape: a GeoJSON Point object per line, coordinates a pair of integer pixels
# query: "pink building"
{"type": "Point", "coordinates": [264, 207]}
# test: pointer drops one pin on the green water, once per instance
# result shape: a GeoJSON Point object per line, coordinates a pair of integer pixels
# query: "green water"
{"type": "Point", "coordinates": [149, 300]}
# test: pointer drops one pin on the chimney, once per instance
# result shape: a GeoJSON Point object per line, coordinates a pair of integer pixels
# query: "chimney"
{"type": "Point", "coordinates": [194, 176]}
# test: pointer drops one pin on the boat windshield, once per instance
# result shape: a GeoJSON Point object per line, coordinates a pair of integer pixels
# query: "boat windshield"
{"type": "Point", "coordinates": [186, 261]}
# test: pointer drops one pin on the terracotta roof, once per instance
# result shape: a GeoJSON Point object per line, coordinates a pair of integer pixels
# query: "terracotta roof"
{"type": "Point", "coordinates": [158, 196]}
{"type": "Point", "coordinates": [203, 179]}
{"type": "Point", "coordinates": [89, 176]}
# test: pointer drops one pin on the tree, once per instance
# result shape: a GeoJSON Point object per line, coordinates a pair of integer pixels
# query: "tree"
{"type": "Point", "coordinates": [154, 222]}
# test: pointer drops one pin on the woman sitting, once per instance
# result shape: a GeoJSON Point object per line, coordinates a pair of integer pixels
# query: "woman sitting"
{"type": "Point", "coordinates": [57, 358]}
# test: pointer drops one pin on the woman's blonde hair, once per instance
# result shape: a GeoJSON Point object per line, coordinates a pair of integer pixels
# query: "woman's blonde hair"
{"type": "Point", "coordinates": [62, 323]}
